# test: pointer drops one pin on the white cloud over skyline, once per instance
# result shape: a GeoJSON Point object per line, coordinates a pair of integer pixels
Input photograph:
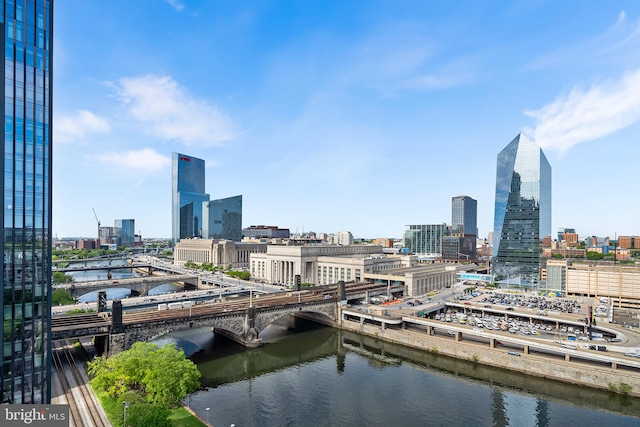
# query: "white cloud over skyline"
{"type": "Point", "coordinates": [78, 127]}
{"type": "Point", "coordinates": [585, 115]}
{"type": "Point", "coordinates": [176, 4]}
{"type": "Point", "coordinates": [165, 110]}
{"type": "Point", "coordinates": [146, 159]}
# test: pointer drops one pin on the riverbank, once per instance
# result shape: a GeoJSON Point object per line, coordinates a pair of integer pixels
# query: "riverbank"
{"type": "Point", "coordinates": [582, 374]}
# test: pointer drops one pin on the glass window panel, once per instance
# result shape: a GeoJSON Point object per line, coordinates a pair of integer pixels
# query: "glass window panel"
{"type": "Point", "coordinates": [19, 12]}
{"type": "Point", "coordinates": [30, 61]}
{"type": "Point", "coordinates": [19, 32]}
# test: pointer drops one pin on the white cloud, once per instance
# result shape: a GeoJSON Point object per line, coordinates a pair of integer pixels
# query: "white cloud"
{"type": "Point", "coordinates": [166, 110]}
{"type": "Point", "coordinates": [405, 58]}
{"type": "Point", "coordinates": [76, 128]}
{"type": "Point", "coordinates": [583, 115]}
{"type": "Point", "coordinates": [146, 159]}
{"type": "Point", "coordinates": [617, 45]}
{"type": "Point", "coordinates": [176, 4]}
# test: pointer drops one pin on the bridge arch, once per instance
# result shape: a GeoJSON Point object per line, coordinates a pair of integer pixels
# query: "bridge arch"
{"type": "Point", "coordinates": [325, 314]}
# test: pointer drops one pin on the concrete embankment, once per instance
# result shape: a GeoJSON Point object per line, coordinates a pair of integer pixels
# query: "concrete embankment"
{"type": "Point", "coordinates": [582, 374]}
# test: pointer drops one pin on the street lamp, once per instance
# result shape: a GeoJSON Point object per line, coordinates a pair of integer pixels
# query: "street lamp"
{"type": "Point", "coordinates": [207, 409]}
{"type": "Point", "coordinates": [125, 405]}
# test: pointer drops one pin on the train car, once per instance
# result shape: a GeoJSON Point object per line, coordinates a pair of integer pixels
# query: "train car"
{"type": "Point", "coordinates": [162, 306]}
{"type": "Point", "coordinates": [174, 305]}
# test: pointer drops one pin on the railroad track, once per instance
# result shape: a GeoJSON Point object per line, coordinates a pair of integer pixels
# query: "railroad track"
{"type": "Point", "coordinates": [216, 308]}
{"type": "Point", "coordinates": [84, 409]}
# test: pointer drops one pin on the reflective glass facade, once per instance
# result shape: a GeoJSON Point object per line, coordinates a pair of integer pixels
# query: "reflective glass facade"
{"type": "Point", "coordinates": [126, 231]}
{"type": "Point", "coordinates": [522, 210]}
{"type": "Point", "coordinates": [187, 188]}
{"type": "Point", "coordinates": [26, 44]}
{"type": "Point", "coordinates": [425, 239]}
{"type": "Point", "coordinates": [222, 219]}
{"type": "Point", "coordinates": [464, 215]}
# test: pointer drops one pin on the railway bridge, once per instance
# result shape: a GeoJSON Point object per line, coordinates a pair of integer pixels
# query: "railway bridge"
{"type": "Point", "coordinates": [242, 325]}
{"type": "Point", "coordinates": [241, 320]}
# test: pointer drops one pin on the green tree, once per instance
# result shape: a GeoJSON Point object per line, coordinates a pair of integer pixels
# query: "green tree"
{"type": "Point", "coordinates": [61, 296]}
{"type": "Point", "coordinates": [190, 264]}
{"type": "Point", "coordinates": [244, 275]}
{"type": "Point", "coordinates": [162, 374]}
{"type": "Point", "coordinates": [148, 415]}
{"type": "Point", "coordinates": [207, 266]}
{"type": "Point", "coordinates": [60, 277]}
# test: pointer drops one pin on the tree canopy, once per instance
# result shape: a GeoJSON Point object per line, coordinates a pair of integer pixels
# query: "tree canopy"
{"type": "Point", "coordinates": [163, 375]}
{"type": "Point", "coordinates": [60, 277]}
{"type": "Point", "coordinates": [61, 296]}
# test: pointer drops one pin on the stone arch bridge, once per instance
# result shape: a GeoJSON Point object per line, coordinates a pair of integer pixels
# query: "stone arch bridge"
{"type": "Point", "coordinates": [242, 325]}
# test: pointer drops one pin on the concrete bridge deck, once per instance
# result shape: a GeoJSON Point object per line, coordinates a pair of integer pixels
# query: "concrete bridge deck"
{"type": "Point", "coordinates": [139, 285]}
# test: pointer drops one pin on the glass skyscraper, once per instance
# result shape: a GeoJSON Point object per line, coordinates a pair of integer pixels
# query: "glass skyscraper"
{"type": "Point", "coordinates": [464, 215]}
{"type": "Point", "coordinates": [222, 219]}
{"type": "Point", "coordinates": [522, 211]}
{"type": "Point", "coordinates": [25, 373]}
{"type": "Point", "coordinates": [425, 239]}
{"type": "Point", "coordinates": [187, 188]}
{"type": "Point", "coordinates": [126, 230]}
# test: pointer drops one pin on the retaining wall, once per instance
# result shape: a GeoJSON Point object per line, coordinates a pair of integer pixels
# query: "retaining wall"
{"type": "Point", "coordinates": [571, 372]}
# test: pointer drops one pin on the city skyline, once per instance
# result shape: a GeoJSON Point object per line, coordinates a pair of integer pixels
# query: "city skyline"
{"type": "Point", "coordinates": [343, 116]}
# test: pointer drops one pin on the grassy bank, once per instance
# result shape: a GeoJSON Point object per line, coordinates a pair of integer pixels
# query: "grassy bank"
{"type": "Point", "coordinates": [179, 416]}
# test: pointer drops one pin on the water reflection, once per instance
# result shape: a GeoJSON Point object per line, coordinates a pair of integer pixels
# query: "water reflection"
{"type": "Point", "coordinates": [322, 376]}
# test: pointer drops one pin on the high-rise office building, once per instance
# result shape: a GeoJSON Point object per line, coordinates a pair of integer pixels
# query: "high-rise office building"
{"type": "Point", "coordinates": [126, 231]}
{"type": "Point", "coordinates": [425, 239]}
{"type": "Point", "coordinates": [188, 194]}
{"type": "Point", "coordinates": [464, 215]}
{"type": "Point", "coordinates": [522, 210]}
{"type": "Point", "coordinates": [222, 219]}
{"type": "Point", "coordinates": [25, 346]}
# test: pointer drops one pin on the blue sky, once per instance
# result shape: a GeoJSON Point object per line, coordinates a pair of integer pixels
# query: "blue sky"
{"type": "Point", "coordinates": [343, 115]}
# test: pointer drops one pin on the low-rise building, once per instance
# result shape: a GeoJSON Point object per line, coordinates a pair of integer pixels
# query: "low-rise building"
{"type": "Point", "coordinates": [619, 282]}
{"type": "Point", "coordinates": [220, 253]}
{"type": "Point", "coordinates": [328, 264]}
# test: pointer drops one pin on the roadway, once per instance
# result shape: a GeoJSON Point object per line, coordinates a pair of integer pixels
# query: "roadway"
{"type": "Point", "coordinates": [630, 338]}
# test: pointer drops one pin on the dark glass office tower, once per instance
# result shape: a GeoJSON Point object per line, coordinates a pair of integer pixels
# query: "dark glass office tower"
{"type": "Point", "coordinates": [464, 215]}
{"type": "Point", "coordinates": [187, 187]}
{"type": "Point", "coordinates": [26, 33]}
{"type": "Point", "coordinates": [223, 219]}
{"type": "Point", "coordinates": [522, 211]}
{"type": "Point", "coordinates": [126, 230]}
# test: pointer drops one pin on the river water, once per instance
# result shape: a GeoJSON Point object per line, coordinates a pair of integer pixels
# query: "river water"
{"type": "Point", "coordinates": [310, 375]}
{"type": "Point", "coordinates": [113, 293]}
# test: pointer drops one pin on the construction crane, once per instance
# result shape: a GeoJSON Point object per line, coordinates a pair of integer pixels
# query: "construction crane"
{"type": "Point", "coordinates": [97, 220]}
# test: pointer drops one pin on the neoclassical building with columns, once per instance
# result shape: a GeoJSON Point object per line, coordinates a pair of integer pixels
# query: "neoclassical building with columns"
{"type": "Point", "coordinates": [280, 264]}
{"type": "Point", "coordinates": [327, 264]}
{"type": "Point", "coordinates": [220, 253]}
